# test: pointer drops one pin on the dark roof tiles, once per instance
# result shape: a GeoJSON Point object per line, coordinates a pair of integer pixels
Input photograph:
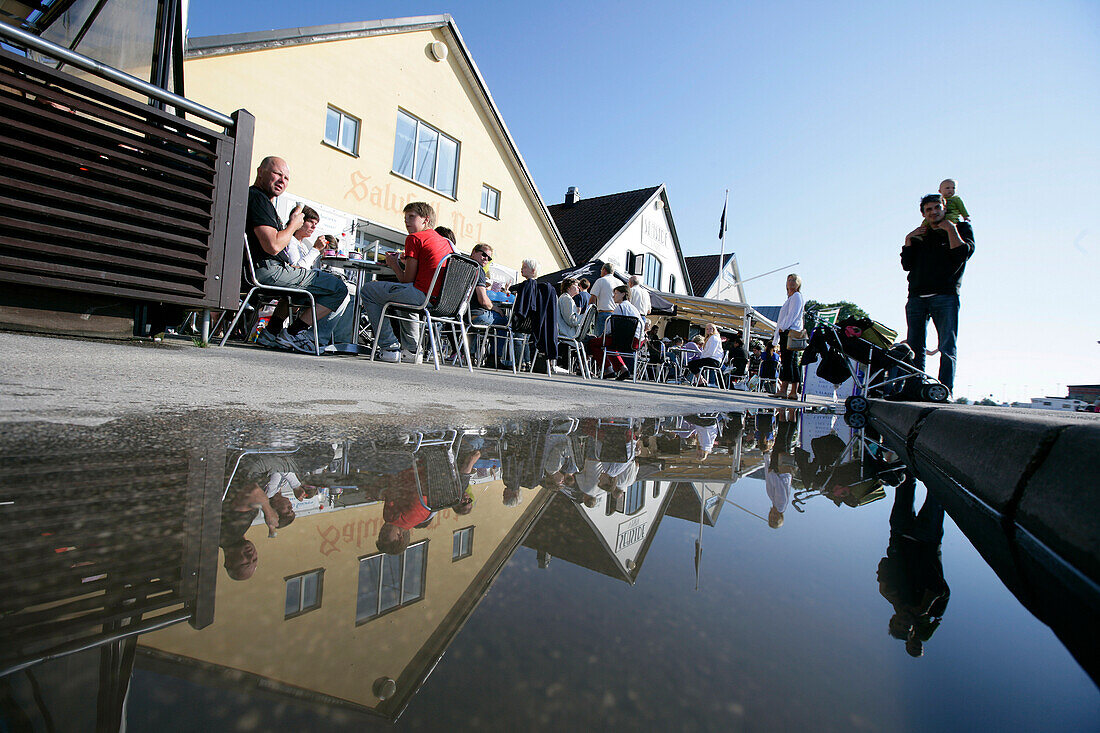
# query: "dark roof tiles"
{"type": "Point", "coordinates": [589, 224]}
{"type": "Point", "coordinates": [703, 271]}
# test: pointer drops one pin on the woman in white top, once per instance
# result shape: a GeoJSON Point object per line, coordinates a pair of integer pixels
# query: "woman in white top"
{"type": "Point", "coordinates": [596, 346]}
{"type": "Point", "coordinates": [790, 319]}
{"type": "Point", "coordinates": [569, 319]}
{"type": "Point", "coordinates": [711, 354]}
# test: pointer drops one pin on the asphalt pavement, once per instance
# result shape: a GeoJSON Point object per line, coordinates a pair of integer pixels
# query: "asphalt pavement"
{"type": "Point", "coordinates": [90, 382]}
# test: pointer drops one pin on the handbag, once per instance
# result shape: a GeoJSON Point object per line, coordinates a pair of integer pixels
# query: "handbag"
{"type": "Point", "coordinates": [797, 340]}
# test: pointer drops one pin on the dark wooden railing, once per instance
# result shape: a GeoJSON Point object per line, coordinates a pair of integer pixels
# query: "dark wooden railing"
{"type": "Point", "coordinates": [103, 193]}
{"type": "Point", "coordinates": [102, 546]}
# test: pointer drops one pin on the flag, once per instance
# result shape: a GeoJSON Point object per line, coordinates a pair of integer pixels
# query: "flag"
{"type": "Point", "coordinates": [722, 223]}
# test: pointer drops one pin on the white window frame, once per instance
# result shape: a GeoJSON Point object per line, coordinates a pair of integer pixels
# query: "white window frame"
{"type": "Point", "coordinates": [354, 149]}
{"type": "Point", "coordinates": [456, 552]}
{"type": "Point", "coordinates": [364, 618]}
{"type": "Point", "coordinates": [495, 213]}
{"type": "Point", "coordinates": [300, 577]}
{"type": "Point", "coordinates": [419, 123]}
{"type": "Point", "coordinates": [647, 269]}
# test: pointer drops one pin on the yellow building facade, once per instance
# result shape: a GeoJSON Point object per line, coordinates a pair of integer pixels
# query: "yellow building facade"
{"type": "Point", "coordinates": [371, 116]}
{"type": "Point", "coordinates": [337, 650]}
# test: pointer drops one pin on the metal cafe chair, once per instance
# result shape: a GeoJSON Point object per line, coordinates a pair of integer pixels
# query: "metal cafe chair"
{"type": "Point", "coordinates": [716, 371]}
{"type": "Point", "coordinates": [254, 452]}
{"type": "Point", "coordinates": [576, 343]}
{"type": "Point", "coordinates": [515, 330]}
{"type": "Point", "coordinates": [657, 370]}
{"type": "Point", "coordinates": [623, 330]}
{"type": "Point", "coordinates": [257, 287]}
{"type": "Point", "coordinates": [410, 312]}
{"type": "Point", "coordinates": [453, 303]}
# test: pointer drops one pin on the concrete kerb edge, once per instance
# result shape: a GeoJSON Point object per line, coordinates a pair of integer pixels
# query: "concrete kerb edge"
{"type": "Point", "coordinates": [904, 423]}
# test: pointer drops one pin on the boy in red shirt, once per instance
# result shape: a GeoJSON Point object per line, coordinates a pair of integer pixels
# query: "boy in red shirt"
{"type": "Point", "coordinates": [424, 251]}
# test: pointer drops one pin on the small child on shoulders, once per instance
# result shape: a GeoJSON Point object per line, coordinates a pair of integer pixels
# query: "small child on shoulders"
{"type": "Point", "coordinates": [953, 204]}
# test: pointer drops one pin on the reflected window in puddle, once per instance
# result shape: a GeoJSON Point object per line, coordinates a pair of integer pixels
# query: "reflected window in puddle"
{"type": "Point", "coordinates": [303, 592]}
{"type": "Point", "coordinates": [463, 544]}
{"type": "Point", "coordinates": [388, 582]}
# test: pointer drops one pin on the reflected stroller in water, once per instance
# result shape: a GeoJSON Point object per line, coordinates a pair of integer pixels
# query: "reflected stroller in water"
{"type": "Point", "coordinates": [854, 474]}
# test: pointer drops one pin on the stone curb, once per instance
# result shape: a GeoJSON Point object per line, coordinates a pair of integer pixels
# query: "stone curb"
{"type": "Point", "coordinates": [1035, 471]}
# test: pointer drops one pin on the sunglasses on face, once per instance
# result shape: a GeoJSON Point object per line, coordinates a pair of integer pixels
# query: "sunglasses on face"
{"type": "Point", "coordinates": [488, 257]}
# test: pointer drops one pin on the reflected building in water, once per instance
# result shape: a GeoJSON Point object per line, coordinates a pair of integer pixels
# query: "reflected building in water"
{"type": "Point", "coordinates": [328, 617]}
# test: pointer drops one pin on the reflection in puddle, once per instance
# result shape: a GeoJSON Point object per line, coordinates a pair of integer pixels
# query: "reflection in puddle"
{"type": "Point", "coordinates": [333, 575]}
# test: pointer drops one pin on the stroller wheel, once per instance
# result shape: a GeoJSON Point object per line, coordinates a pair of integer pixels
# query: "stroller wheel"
{"type": "Point", "coordinates": [935, 393]}
{"type": "Point", "coordinates": [855, 419]}
{"type": "Point", "coordinates": [856, 403]}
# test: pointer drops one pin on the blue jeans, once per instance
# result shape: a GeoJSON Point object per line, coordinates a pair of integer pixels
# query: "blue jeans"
{"type": "Point", "coordinates": [338, 326]}
{"type": "Point", "coordinates": [944, 312]}
{"type": "Point", "coordinates": [491, 318]}
{"type": "Point", "coordinates": [378, 293]}
{"type": "Point", "coordinates": [601, 318]}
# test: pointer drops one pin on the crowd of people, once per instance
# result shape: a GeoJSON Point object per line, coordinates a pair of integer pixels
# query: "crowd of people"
{"type": "Point", "coordinates": [934, 256]}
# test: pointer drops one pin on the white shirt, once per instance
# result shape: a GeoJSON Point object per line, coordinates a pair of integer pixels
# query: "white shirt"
{"type": "Point", "coordinates": [790, 315]}
{"type": "Point", "coordinates": [778, 486]}
{"type": "Point", "coordinates": [639, 296]}
{"type": "Point", "coordinates": [601, 292]}
{"type": "Point", "coordinates": [301, 253]}
{"type": "Point", "coordinates": [626, 308]}
{"type": "Point", "coordinates": [712, 348]}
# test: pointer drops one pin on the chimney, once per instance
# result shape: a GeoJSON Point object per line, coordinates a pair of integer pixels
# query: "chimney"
{"type": "Point", "coordinates": [572, 196]}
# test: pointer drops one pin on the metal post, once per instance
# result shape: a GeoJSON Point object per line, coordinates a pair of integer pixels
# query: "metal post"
{"type": "Point", "coordinates": [206, 327]}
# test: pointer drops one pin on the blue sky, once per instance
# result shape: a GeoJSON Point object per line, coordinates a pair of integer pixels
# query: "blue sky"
{"type": "Point", "coordinates": [826, 121]}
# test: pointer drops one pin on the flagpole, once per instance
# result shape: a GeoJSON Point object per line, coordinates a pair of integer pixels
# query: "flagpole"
{"type": "Point", "coordinates": [722, 237]}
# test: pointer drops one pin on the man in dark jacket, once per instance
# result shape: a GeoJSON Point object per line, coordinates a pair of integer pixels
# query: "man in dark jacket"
{"type": "Point", "coordinates": [935, 255]}
{"type": "Point", "coordinates": [537, 303]}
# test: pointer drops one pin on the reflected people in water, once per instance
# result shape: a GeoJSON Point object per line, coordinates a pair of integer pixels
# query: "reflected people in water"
{"type": "Point", "coordinates": [246, 498]}
{"type": "Point", "coordinates": [780, 465]}
{"type": "Point", "coordinates": [910, 577]}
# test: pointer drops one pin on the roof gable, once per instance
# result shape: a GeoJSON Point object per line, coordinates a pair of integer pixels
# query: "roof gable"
{"type": "Point", "coordinates": [703, 271]}
{"type": "Point", "coordinates": [589, 224]}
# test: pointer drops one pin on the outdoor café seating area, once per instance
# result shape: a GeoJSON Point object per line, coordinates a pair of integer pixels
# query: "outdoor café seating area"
{"type": "Point", "coordinates": [449, 339]}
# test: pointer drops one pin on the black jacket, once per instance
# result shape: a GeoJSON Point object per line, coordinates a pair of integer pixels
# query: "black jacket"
{"type": "Point", "coordinates": [537, 304]}
{"type": "Point", "coordinates": [934, 268]}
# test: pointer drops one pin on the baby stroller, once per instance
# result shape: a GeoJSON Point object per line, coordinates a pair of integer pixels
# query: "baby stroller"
{"type": "Point", "coordinates": [852, 473]}
{"type": "Point", "coordinates": [884, 366]}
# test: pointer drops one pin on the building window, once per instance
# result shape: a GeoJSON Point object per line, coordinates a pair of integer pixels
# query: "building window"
{"type": "Point", "coordinates": [652, 271]}
{"type": "Point", "coordinates": [342, 131]}
{"type": "Point", "coordinates": [672, 283]}
{"type": "Point", "coordinates": [388, 582]}
{"type": "Point", "coordinates": [490, 201]}
{"type": "Point", "coordinates": [635, 498]}
{"type": "Point", "coordinates": [425, 155]}
{"type": "Point", "coordinates": [303, 592]}
{"type": "Point", "coordinates": [463, 544]}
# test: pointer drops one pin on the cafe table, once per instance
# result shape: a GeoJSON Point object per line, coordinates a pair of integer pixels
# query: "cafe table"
{"type": "Point", "coordinates": [359, 272]}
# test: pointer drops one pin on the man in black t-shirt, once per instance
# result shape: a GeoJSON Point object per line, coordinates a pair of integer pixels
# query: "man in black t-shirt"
{"type": "Point", "coordinates": [267, 242]}
{"type": "Point", "coordinates": [935, 255]}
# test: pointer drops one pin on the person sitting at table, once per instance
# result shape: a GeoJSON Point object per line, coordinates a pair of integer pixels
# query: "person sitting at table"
{"type": "Point", "coordinates": [536, 304]}
{"type": "Point", "coordinates": [483, 311]}
{"type": "Point", "coordinates": [737, 359]}
{"type": "Point", "coordinates": [711, 353]}
{"type": "Point", "coordinates": [769, 369]}
{"type": "Point", "coordinates": [596, 345]}
{"type": "Point", "coordinates": [267, 242]}
{"type": "Point", "coordinates": [569, 317]}
{"type": "Point", "coordinates": [448, 234]}
{"type": "Point", "coordinates": [583, 297]}
{"type": "Point", "coordinates": [401, 513]}
{"type": "Point", "coordinates": [337, 327]}
{"type": "Point", "coordinates": [425, 251]}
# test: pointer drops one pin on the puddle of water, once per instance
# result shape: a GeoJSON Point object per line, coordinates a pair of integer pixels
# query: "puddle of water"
{"type": "Point", "coordinates": [743, 570]}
